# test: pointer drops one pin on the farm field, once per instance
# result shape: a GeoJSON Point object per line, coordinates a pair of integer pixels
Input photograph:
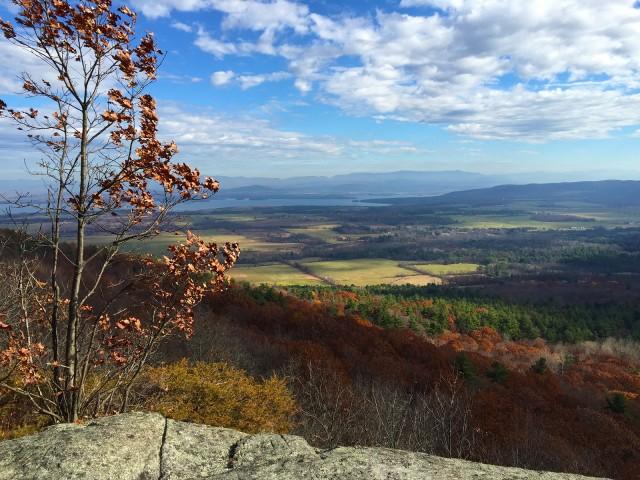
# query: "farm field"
{"type": "Point", "coordinates": [447, 269]}
{"type": "Point", "coordinates": [407, 244]}
{"type": "Point", "coordinates": [279, 274]}
{"type": "Point", "coordinates": [532, 217]}
{"type": "Point", "coordinates": [416, 280]}
{"type": "Point", "coordinates": [158, 245]}
{"type": "Point", "coordinates": [513, 221]}
{"type": "Point", "coordinates": [321, 232]}
{"type": "Point", "coordinates": [361, 272]}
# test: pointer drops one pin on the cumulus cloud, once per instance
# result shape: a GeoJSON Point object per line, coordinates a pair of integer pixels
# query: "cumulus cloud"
{"type": "Point", "coordinates": [303, 86]}
{"type": "Point", "coordinates": [250, 81]}
{"type": "Point", "coordinates": [489, 69]}
{"type": "Point", "coordinates": [182, 27]}
{"type": "Point", "coordinates": [232, 135]}
{"type": "Point", "coordinates": [181, 79]}
{"type": "Point", "coordinates": [245, 82]}
{"type": "Point", "coordinates": [162, 8]}
{"type": "Point", "coordinates": [251, 14]}
{"type": "Point", "coordinates": [216, 47]}
{"type": "Point", "coordinates": [263, 15]}
{"type": "Point", "coordinates": [13, 62]}
{"type": "Point", "coordinates": [203, 136]}
{"type": "Point", "coordinates": [222, 77]}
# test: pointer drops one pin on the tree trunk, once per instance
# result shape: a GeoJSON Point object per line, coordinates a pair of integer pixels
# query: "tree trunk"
{"type": "Point", "coordinates": [55, 287]}
{"type": "Point", "coordinates": [72, 387]}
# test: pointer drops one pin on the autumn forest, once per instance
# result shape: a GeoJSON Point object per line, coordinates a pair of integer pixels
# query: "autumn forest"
{"type": "Point", "coordinates": [500, 326]}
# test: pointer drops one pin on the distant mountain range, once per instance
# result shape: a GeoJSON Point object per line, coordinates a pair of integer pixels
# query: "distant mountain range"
{"type": "Point", "coordinates": [404, 187]}
{"type": "Point", "coordinates": [613, 193]}
{"type": "Point", "coordinates": [404, 183]}
{"type": "Point", "coordinates": [353, 185]}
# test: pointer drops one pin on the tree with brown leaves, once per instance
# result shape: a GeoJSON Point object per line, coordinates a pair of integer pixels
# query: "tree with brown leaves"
{"type": "Point", "coordinates": [106, 172]}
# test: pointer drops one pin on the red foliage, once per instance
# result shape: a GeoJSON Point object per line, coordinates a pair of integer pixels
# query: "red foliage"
{"type": "Point", "coordinates": [557, 420]}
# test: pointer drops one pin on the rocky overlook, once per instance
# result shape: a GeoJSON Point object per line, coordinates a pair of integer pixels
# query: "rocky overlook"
{"type": "Point", "coordinates": [144, 446]}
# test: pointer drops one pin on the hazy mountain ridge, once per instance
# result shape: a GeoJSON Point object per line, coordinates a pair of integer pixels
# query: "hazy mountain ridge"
{"type": "Point", "coordinates": [358, 184]}
{"type": "Point", "coordinates": [404, 187]}
{"type": "Point", "coordinates": [393, 184]}
{"type": "Point", "coordinates": [617, 193]}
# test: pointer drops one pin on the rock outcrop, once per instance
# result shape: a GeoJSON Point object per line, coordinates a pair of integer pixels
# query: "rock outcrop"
{"type": "Point", "coordinates": [144, 446]}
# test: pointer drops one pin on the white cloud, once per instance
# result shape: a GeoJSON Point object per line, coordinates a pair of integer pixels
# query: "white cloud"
{"type": "Point", "coordinates": [206, 138]}
{"type": "Point", "coordinates": [250, 81]}
{"type": "Point", "coordinates": [443, 4]}
{"type": "Point", "coordinates": [174, 78]}
{"type": "Point", "coordinates": [245, 82]}
{"type": "Point", "coordinates": [162, 8]}
{"type": "Point", "coordinates": [13, 62]}
{"type": "Point", "coordinates": [193, 128]}
{"type": "Point", "coordinates": [549, 114]}
{"type": "Point", "coordinates": [182, 27]}
{"type": "Point", "coordinates": [222, 77]}
{"type": "Point", "coordinates": [303, 85]}
{"type": "Point", "coordinates": [252, 14]}
{"type": "Point", "coordinates": [10, 6]}
{"type": "Point", "coordinates": [538, 70]}
{"type": "Point", "coordinates": [216, 47]}
{"type": "Point", "coordinates": [263, 15]}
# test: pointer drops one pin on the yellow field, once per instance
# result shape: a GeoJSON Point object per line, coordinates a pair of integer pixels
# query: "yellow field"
{"type": "Point", "coordinates": [363, 272]}
{"type": "Point", "coordinates": [447, 269]}
{"type": "Point", "coordinates": [360, 272]}
{"type": "Point", "coordinates": [158, 245]}
{"type": "Point", "coordinates": [323, 232]}
{"type": "Point", "coordinates": [272, 274]}
{"type": "Point", "coordinates": [416, 280]}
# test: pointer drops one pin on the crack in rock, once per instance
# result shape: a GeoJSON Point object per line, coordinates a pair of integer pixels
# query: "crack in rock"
{"type": "Point", "coordinates": [161, 452]}
{"type": "Point", "coordinates": [124, 447]}
{"type": "Point", "coordinates": [232, 453]}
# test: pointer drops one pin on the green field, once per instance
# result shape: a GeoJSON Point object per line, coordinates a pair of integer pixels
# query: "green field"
{"type": "Point", "coordinates": [439, 269]}
{"type": "Point", "coordinates": [608, 218]}
{"type": "Point", "coordinates": [321, 232]}
{"type": "Point", "coordinates": [158, 245]}
{"type": "Point", "coordinates": [272, 274]}
{"type": "Point", "coordinates": [358, 272]}
{"type": "Point", "coordinates": [513, 221]}
{"type": "Point", "coordinates": [415, 280]}
{"type": "Point", "coordinates": [366, 272]}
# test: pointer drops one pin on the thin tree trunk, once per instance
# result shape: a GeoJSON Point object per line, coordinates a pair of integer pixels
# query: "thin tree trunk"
{"type": "Point", "coordinates": [72, 387]}
{"type": "Point", "coordinates": [55, 287]}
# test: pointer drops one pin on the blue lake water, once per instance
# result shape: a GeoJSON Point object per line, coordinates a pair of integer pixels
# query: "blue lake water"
{"type": "Point", "coordinates": [216, 203]}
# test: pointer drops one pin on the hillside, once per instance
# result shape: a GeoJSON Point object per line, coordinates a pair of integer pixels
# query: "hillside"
{"type": "Point", "coordinates": [145, 446]}
{"type": "Point", "coordinates": [396, 183]}
{"type": "Point", "coordinates": [368, 240]}
{"type": "Point", "coordinates": [352, 184]}
{"type": "Point", "coordinates": [612, 193]}
{"type": "Point", "coordinates": [353, 379]}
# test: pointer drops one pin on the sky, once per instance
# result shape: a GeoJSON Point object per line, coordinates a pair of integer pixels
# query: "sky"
{"type": "Point", "coordinates": [282, 88]}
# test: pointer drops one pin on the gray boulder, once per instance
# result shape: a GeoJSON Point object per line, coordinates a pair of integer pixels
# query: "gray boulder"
{"type": "Point", "coordinates": [142, 446]}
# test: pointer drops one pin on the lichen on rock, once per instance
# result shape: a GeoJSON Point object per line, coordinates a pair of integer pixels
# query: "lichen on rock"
{"type": "Point", "coordinates": [144, 446]}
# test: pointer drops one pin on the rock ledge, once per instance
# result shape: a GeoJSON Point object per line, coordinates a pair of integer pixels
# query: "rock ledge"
{"type": "Point", "coordinates": [144, 446]}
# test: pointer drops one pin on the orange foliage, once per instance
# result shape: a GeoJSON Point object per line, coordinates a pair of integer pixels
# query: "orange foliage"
{"type": "Point", "coordinates": [557, 420]}
{"type": "Point", "coordinates": [348, 295]}
{"type": "Point", "coordinates": [220, 395]}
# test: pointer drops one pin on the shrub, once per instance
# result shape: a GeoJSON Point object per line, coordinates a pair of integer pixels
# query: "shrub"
{"type": "Point", "coordinates": [540, 366]}
{"type": "Point", "coordinates": [498, 373]}
{"type": "Point", "coordinates": [218, 394]}
{"type": "Point", "coordinates": [17, 418]}
{"type": "Point", "coordinates": [464, 367]}
{"type": "Point", "coordinates": [617, 403]}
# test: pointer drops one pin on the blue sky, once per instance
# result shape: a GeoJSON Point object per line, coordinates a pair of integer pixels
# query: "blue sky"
{"type": "Point", "coordinates": [282, 87]}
